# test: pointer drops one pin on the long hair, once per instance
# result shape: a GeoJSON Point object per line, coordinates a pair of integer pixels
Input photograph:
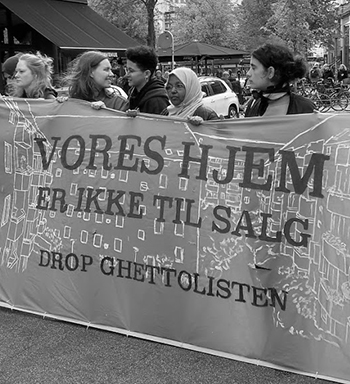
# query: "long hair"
{"type": "Point", "coordinates": [287, 67]}
{"type": "Point", "coordinates": [78, 79]}
{"type": "Point", "coordinates": [41, 67]}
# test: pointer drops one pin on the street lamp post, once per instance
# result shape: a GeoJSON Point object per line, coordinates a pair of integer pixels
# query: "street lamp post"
{"type": "Point", "coordinates": [166, 41]}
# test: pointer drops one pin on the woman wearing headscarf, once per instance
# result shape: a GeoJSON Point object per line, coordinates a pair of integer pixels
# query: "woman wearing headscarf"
{"type": "Point", "coordinates": [186, 96]}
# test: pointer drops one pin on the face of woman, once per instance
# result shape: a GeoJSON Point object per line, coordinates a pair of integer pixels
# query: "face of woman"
{"type": "Point", "coordinates": [102, 74]}
{"type": "Point", "coordinates": [24, 76]}
{"type": "Point", "coordinates": [176, 90]}
{"type": "Point", "coordinates": [136, 76]}
{"type": "Point", "coordinates": [258, 76]}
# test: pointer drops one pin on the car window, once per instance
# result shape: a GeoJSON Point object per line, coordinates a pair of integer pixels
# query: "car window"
{"type": "Point", "coordinates": [217, 87]}
{"type": "Point", "coordinates": [205, 89]}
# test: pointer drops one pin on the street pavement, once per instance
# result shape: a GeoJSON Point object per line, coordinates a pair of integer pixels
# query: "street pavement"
{"type": "Point", "coordinates": [36, 350]}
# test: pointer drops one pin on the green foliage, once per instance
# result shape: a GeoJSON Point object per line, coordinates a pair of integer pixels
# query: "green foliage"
{"type": "Point", "coordinates": [252, 16]}
{"type": "Point", "coordinates": [128, 15]}
{"type": "Point", "coordinates": [323, 20]}
{"type": "Point", "coordinates": [298, 23]}
{"type": "Point", "coordinates": [290, 24]}
{"type": "Point", "coordinates": [207, 21]}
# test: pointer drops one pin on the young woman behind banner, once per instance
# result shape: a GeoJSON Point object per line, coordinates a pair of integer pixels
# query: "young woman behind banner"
{"type": "Point", "coordinates": [272, 69]}
{"type": "Point", "coordinates": [90, 78]}
{"type": "Point", "coordinates": [33, 77]}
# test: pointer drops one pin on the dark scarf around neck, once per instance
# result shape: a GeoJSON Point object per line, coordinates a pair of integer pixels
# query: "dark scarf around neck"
{"type": "Point", "coordinates": [263, 96]}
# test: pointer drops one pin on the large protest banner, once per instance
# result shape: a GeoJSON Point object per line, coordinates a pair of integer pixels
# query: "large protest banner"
{"type": "Point", "coordinates": [230, 237]}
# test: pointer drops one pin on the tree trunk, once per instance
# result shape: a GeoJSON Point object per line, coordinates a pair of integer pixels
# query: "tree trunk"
{"type": "Point", "coordinates": [151, 38]}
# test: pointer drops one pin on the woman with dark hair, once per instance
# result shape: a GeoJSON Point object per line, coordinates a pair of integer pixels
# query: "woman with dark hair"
{"type": "Point", "coordinates": [90, 78]}
{"type": "Point", "coordinates": [147, 93]}
{"type": "Point", "coordinates": [33, 77]}
{"type": "Point", "coordinates": [272, 69]}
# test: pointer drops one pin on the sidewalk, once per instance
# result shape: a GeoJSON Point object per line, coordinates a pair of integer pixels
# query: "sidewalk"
{"type": "Point", "coordinates": [34, 350]}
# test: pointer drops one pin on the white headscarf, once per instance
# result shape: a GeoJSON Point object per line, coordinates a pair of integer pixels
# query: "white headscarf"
{"type": "Point", "coordinates": [194, 94]}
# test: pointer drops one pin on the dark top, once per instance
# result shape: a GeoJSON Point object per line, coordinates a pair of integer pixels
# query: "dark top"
{"type": "Point", "coordinates": [228, 82]}
{"type": "Point", "coordinates": [205, 113]}
{"type": "Point", "coordinates": [47, 93]}
{"type": "Point", "coordinates": [151, 99]}
{"type": "Point", "coordinates": [112, 100]}
{"type": "Point", "coordinates": [343, 74]}
{"type": "Point", "coordinates": [328, 74]}
{"type": "Point", "coordinates": [297, 104]}
{"type": "Point", "coordinates": [236, 86]}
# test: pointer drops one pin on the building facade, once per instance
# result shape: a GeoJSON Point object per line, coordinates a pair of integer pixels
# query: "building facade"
{"type": "Point", "coordinates": [166, 13]}
{"type": "Point", "coordinates": [344, 35]}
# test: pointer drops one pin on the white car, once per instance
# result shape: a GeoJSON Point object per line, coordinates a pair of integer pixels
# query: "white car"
{"type": "Point", "coordinates": [219, 97]}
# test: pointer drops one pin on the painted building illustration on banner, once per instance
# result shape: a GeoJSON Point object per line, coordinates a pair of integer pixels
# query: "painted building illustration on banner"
{"type": "Point", "coordinates": [26, 227]}
{"type": "Point", "coordinates": [317, 276]}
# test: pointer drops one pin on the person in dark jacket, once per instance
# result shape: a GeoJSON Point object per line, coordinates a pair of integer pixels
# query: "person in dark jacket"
{"type": "Point", "coordinates": [226, 78]}
{"type": "Point", "coordinates": [272, 69]}
{"type": "Point", "coordinates": [327, 72]}
{"type": "Point", "coordinates": [8, 71]}
{"type": "Point", "coordinates": [342, 73]}
{"type": "Point", "coordinates": [186, 96]}
{"type": "Point", "coordinates": [147, 94]}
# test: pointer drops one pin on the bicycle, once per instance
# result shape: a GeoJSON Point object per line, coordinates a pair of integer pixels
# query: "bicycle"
{"type": "Point", "coordinates": [339, 98]}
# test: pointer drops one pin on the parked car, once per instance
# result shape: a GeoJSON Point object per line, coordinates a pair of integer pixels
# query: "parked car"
{"type": "Point", "coordinates": [219, 97]}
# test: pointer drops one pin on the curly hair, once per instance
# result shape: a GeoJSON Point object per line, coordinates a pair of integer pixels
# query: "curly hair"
{"type": "Point", "coordinates": [144, 56]}
{"type": "Point", "coordinates": [287, 66]}
{"type": "Point", "coordinates": [41, 66]}
{"type": "Point", "coordinates": [78, 79]}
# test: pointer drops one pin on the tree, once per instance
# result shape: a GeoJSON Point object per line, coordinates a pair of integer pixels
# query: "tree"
{"type": "Point", "coordinates": [302, 23]}
{"type": "Point", "coordinates": [323, 21]}
{"type": "Point", "coordinates": [130, 17]}
{"type": "Point", "coordinates": [150, 7]}
{"type": "Point", "coordinates": [252, 16]}
{"type": "Point", "coordinates": [290, 24]}
{"type": "Point", "coordinates": [208, 21]}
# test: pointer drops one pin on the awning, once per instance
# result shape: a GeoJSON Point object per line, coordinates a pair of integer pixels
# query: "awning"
{"type": "Point", "coordinates": [198, 50]}
{"type": "Point", "coordinates": [70, 25]}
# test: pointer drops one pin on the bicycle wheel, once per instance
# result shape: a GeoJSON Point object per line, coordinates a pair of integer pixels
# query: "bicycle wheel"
{"type": "Point", "coordinates": [340, 101]}
{"type": "Point", "coordinates": [321, 101]}
{"type": "Point", "coordinates": [325, 103]}
{"type": "Point", "coordinates": [314, 98]}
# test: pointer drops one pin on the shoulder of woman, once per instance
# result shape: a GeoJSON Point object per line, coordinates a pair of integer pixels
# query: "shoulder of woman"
{"type": "Point", "coordinates": [302, 104]}
{"type": "Point", "coordinates": [206, 113]}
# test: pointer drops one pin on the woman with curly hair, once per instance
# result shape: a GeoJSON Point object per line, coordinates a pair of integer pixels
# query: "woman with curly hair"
{"type": "Point", "coordinates": [272, 69]}
{"type": "Point", "coordinates": [90, 78]}
{"type": "Point", "coordinates": [33, 76]}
